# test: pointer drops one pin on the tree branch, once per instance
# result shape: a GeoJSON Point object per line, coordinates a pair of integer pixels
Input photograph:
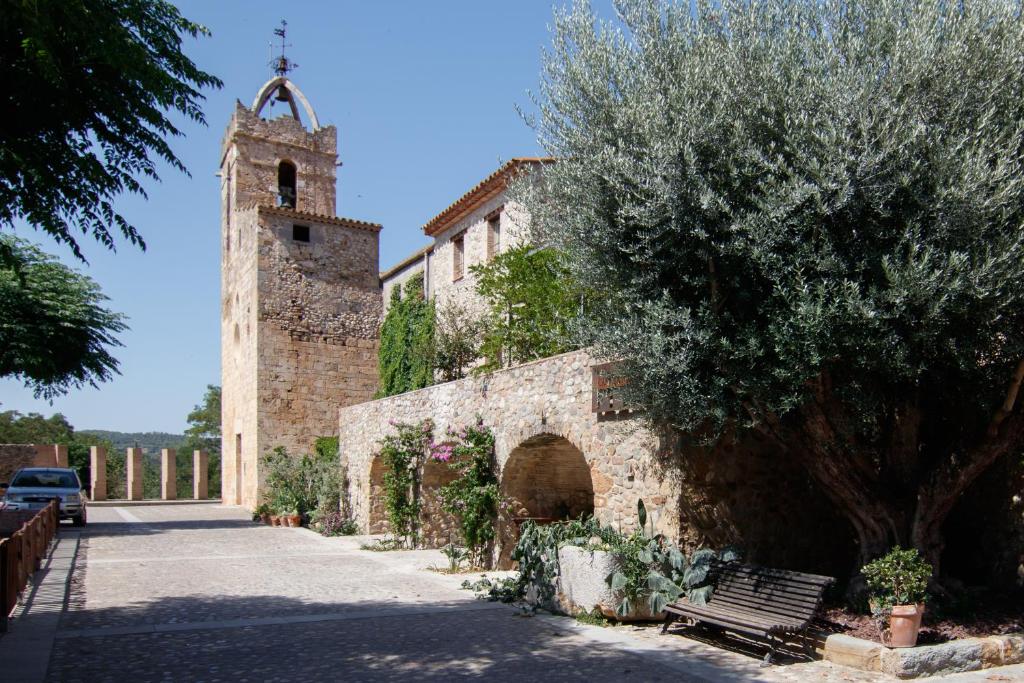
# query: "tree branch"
{"type": "Point", "coordinates": [1009, 402]}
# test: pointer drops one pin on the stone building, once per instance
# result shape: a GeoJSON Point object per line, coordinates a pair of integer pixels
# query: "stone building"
{"type": "Point", "coordinates": [300, 294]}
{"type": "Point", "coordinates": [474, 229]}
{"type": "Point", "coordinates": [302, 307]}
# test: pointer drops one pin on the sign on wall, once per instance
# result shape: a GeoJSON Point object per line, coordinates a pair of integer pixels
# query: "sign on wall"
{"type": "Point", "coordinates": [607, 395]}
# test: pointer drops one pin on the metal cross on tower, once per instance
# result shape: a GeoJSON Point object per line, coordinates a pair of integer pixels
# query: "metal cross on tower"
{"type": "Point", "coordinates": [281, 64]}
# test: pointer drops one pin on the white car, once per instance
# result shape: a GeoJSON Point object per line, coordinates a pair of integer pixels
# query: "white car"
{"type": "Point", "coordinates": [32, 488]}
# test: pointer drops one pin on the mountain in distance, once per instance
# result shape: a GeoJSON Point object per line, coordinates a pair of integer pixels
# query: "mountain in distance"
{"type": "Point", "coordinates": [151, 442]}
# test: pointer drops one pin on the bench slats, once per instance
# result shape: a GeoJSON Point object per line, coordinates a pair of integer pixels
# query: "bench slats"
{"type": "Point", "coordinates": [768, 606]}
{"type": "Point", "coordinates": [773, 595]}
{"type": "Point", "coordinates": [757, 600]}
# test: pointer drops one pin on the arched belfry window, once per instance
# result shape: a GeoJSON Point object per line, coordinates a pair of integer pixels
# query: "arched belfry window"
{"type": "Point", "coordinates": [286, 184]}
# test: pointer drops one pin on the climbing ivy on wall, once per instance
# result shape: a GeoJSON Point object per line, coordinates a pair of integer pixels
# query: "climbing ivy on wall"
{"type": "Point", "coordinates": [403, 454]}
{"type": "Point", "coordinates": [473, 497]}
{"type": "Point", "coordinates": [406, 341]}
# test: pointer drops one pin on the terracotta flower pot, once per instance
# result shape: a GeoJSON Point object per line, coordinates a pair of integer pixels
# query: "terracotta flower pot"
{"type": "Point", "coordinates": [904, 625]}
{"type": "Point", "coordinates": [275, 520]}
{"type": "Point", "coordinates": [295, 520]}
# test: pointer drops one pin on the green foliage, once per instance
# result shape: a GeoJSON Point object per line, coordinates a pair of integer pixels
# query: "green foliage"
{"type": "Point", "coordinates": [403, 454]}
{"type": "Point", "coordinates": [506, 589]}
{"type": "Point", "coordinates": [536, 553]}
{"type": "Point", "coordinates": [803, 214]}
{"type": "Point", "coordinates": [457, 334]}
{"type": "Point", "coordinates": [472, 498]}
{"type": "Point", "coordinates": [55, 333]}
{"type": "Point", "coordinates": [406, 340]}
{"type": "Point", "coordinates": [93, 88]}
{"type": "Point", "coordinates": [899, 578]}
{"type": "Point", "coordinates": [456, 556]}
{"type": "Point", "coordinates": [334, 523]}
{"type": "Point", "coordinates": [532, 300]}
{"type": "Point", "coordinates": [652, 568]}
{"type": "Point", "coordinates": [203, 433]}
{"type": "Point", "coordinates": [301, 485]}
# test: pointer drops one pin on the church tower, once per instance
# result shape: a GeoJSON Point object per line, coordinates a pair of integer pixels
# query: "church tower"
{"type": "Point", "coordinates": [300, 295]}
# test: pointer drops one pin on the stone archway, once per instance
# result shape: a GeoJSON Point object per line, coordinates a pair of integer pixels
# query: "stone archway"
{"type": "Point", "coordinates": [546, 478]}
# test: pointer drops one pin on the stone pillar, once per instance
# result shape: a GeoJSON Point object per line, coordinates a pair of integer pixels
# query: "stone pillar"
{"type": "Point", "coordinates": [98, 469]}
{"type": "Point", "coordinates": [200, 467]}
{"type": "Point", "coordinates": [133, 463]}
{"type": "Point", "coordinates": [61, 455]}
{"type": "Point", "coordinates": [168, 474]}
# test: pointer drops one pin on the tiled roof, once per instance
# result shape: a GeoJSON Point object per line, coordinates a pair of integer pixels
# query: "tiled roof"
{"type": "Point", "coordinates": [484, 190]}
{"type": "Point", "coordinates": [319, 218]}
{"type": "Point", "coordinates": [406, 262]}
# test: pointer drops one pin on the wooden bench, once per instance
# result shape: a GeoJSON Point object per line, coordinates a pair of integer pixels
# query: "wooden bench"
{"type": "Point", "coordinates": [770, 604]}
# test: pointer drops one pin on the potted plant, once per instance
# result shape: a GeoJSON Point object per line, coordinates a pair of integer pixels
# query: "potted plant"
{"type": "Point", "coordinates": [261, 513]}
{"type": "Point", "coordinates": [898, 583]}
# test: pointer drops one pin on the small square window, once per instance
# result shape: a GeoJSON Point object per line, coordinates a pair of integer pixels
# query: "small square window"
{"type": "Point", "coordinates": [300, 233]}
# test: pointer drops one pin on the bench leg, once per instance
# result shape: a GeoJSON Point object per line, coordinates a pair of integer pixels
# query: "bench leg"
{"type": "Point", "coordinates": [769, 657]}
{"type": "Point", "coordinates": [669, 618]}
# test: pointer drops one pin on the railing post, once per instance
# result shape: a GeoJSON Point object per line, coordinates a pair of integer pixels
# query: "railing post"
{"type": "Point", "coordinates": [5, 584]}
{"type": "Point", "coordinates": [200, 474]}
{"type": "Point", "coordinates": [168, 474]}
{"type": "Point", "coordinates": [133, 463]}
{"type": "Point", "coordinates": [98, 475]}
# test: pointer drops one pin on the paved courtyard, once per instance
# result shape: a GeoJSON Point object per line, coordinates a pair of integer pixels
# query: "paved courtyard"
{"type": "Point", "coordinates": [198, 593]}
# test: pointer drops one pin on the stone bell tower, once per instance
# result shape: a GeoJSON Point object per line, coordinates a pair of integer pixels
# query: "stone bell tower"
{"type": "Point", "coordinates": [300, 295]}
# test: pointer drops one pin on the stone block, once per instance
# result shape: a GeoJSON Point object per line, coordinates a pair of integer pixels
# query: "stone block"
{"type": "Point", "coordinates": [956, 656]}
{"type": "Point", "coordinates": [133, 465]}
{"type": "Point", "coordinates": [98, 473]}
{"type": "Point", "coordinates": [168, 474]}
{"type": "Point", "coordinates": [583, 585]}
{"type": "Point", "coordinates": [200, 475]}
{"type": "Point", "coordinates": [853, 652]}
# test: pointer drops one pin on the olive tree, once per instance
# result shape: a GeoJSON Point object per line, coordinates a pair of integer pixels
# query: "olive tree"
{"type": "Point", "coordinates": [807, 220]}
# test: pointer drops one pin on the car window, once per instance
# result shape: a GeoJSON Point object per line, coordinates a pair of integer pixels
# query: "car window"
{"type": "Point", "coordinates": [45, 480]}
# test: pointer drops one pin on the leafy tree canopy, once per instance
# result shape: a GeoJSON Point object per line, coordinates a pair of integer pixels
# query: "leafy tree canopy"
{"type": "Point", "coordinates": [89, 86]}
{"type": "Point", "coordinates": [55, 333]}
{"type": "Point", "coordinates": [807, 217]}
{"type": "Point", "coordinates": [532, 300]}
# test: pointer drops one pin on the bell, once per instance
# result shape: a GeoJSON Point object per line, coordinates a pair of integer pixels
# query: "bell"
{"type": "Point", "coordinates": [282, 94]}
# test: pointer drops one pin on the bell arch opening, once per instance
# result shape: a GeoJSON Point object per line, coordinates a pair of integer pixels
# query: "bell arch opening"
{"type": "Point", "coordinates": [545, 479]}
{"type": "Point", "coordinates": [286, 184]}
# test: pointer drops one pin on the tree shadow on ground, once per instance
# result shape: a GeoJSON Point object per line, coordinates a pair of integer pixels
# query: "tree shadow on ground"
{"type": "Point", "coordinates": [267, 637]}
{"type": "Point", "coordinates": [791, 651]}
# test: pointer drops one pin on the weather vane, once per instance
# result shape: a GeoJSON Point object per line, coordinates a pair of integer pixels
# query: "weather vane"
{"type": "Point", "coordinates": [281, 64]}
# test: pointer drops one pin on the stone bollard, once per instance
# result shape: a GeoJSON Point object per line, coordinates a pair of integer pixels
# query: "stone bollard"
{"type": "Point", "coordinates": [133, 463]}
{"type": "Point", "coordinates": [98, 469]}
{"type": "Point", "coordinates": [60, 453]}
{"type": "Point", "coordinates": [168, 474]}
{"type": "Point", "coordinates": [200, 467]}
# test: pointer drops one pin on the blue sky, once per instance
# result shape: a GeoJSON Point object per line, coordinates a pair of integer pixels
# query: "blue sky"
{"type": "Point", "coordinates": [423, 95]}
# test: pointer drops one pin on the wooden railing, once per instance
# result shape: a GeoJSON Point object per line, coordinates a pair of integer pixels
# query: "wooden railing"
{"type": "Point", "coordinates": [27, 539]}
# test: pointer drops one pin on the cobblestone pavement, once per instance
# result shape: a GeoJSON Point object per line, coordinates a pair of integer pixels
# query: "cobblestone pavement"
{"type": "Point", "coordinates": [198, 593]}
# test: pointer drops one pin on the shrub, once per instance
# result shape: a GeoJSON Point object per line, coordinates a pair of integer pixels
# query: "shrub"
{"type": "Point", "coordinates": [899, 578]}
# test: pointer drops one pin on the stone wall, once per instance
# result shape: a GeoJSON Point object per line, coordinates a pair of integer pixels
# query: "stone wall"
{"type": "Point", "coordinates": [15, 456]}
{"type": "Point", "coordinates": [540, 405]}
{"type": "Point", "coordinates": [557, 459]}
